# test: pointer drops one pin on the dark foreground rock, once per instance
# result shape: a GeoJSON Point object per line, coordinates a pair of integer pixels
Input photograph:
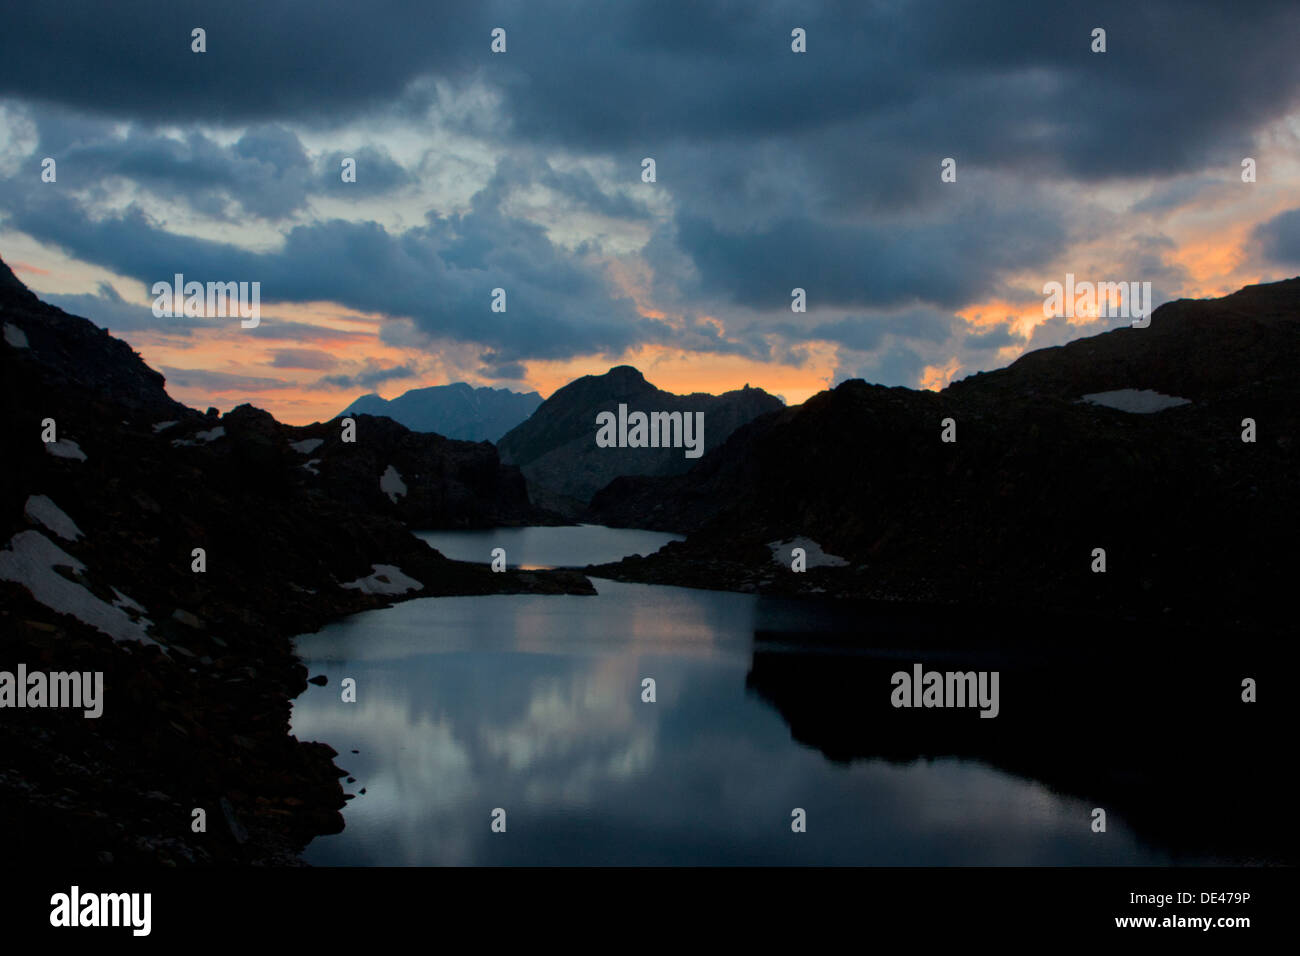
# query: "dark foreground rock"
{"type": "Point", "coordinates": [97, 538]}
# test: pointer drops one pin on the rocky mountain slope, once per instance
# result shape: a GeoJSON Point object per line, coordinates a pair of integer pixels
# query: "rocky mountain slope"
{"type": "Point", "coordinates": [1195, 523]}
{"type": "Point", "coordinates": [98, 530]}
{"type": "Point", "coordinates": [557, 449]}
{"type": "Point", "coordinates": [456, 411]}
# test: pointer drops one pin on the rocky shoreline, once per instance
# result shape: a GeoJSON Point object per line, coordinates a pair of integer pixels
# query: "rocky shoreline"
{"type": "Point", "coordinates": [179, 554]}
{"type": "Point", "coordinates": [204, 724]}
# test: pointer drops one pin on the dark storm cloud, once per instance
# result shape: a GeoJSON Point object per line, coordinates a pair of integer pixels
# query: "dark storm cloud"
{"type": "Point", "coordinates": [1280, 237]}
{"type": "Point", "coordinates": [310, 59]}
{"type": "Point", "coordinates": [995, 83]}
{"type": "Point", "coordinates": [266, 173]}
{"type": "Point", "coordinates": [867, 333]}
{"type": "Point", "coordinates": [441, 275]}
{"type": "Point", "coordinates": [946, 263]}
{"type": "Point", "coordinates": [818, 170]}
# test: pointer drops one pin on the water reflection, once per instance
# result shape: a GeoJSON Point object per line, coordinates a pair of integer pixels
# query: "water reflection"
{"type": "Point", "coordinates": [573, 546]}
{"type": "Point", "coordinates": [533, 704]}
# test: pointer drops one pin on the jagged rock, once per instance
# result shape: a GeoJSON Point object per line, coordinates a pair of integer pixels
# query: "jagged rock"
{"type": "Point", "coordinates": [455, 411]}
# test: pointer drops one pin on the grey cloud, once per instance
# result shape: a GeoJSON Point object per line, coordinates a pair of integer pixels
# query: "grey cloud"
{"type": "Point", "coordinates": [866, 333]}
{"type": "Point", "coordinates": [510, 371]}
{"type": "Point", "coordinates": [220, 381]}
{"type": "Point", "coordinates": [1008, 83]}
{"type": "Point", "coordinates": [898, 365]}
{"type": "Point", "coordinates": [265, 173]}
{"type": "Point", "coordinates": [441, 274]}
{"type": "Point", "coordinates": [1058, 331]}
{"type": "Point", "coordinates": [312, 359]}
{"type": "Point", "coordinates": [817, 170]}
{"type": "Point", "coordinates": [1280, 238]}
{"type": "Point", "coordinates": [368, 377]}
{"type": "Point", "coordinates": [871, 264]}
{"type": "Point", "coordinates": [108, 309]}
{"type": "Point", "coordinates": [992, 339]}
{"type": "Point", "coordinates": [377, 172]}
{"type": "Point", "coordinates": [321, 60]}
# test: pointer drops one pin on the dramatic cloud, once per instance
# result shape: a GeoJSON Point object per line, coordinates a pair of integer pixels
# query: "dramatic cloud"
{"type": "Point", "coordinates": [441, 275]}
{"type": "Point", "coordinates": [319, 59]}
{"type": "Point", "coordinates": [947, 263]}
{"type": "Point", "coordinates": [522, 171]}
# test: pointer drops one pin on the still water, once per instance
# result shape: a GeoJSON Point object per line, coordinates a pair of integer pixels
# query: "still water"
{"type": "Point", "coordinates": [533, 704]}
{"type": "Point", "coordinates": [574, 546]}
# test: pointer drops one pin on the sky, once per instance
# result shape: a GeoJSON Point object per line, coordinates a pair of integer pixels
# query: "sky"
{"type": "Point", "coordinates": [523, 170]}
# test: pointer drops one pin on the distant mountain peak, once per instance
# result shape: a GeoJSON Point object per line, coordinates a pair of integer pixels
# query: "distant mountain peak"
{"type": "Point", "coordinates": [458, 410]}
{"type": "Point", "coordinates": [556, 447]}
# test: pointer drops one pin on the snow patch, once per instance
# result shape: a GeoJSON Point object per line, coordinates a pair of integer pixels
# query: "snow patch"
{"type": "Point", "coordinates": [816, 557]}
{"type": "Point", "coordinates": [311, 466]}
{"type": "Point", "coordinates": [210, 435]}
{"type": "Point", "coordinates": [44, 511]}
{"type": "Point", "coordinates": [387, 579]}
{"type": "Point", "coordinates": [391, 484]}
{"type": "Point", "coordinates": [1140, 401]}
{"type": "Point", "coordinates": [31, 559]}
{"type": "Point", "coordinates": [66, 448]}
{"type": "Point", "coordinates": [307, 445]}
{"type": "Point", "coordinates": [15, 336]}
{"type": "Point", "coordinates": [162, 426]}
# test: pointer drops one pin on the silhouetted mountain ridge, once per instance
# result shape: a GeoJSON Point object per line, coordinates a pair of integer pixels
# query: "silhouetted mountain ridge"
{"type": "Point", "coordinates": [1195, 522]}
{"type": "Point", "coordinates": [457, 410]}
